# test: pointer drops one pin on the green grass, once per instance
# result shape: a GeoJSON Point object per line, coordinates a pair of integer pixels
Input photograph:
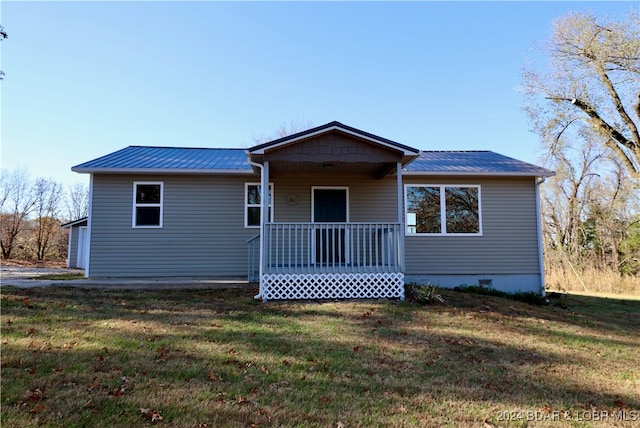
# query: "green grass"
{"type": "Point", "coordinates": [73, 357]}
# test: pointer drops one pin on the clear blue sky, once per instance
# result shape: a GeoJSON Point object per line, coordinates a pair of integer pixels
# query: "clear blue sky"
{"type": "Point", "coordinates": [84, 79]}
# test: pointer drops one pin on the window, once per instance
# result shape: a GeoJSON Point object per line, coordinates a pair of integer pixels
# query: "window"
{"type": "Point", "coordinates": [252, 204]}
{"type": "Point", "coordinates": [147, 204]}
{"type": "Point", "coordinates": [443, 210]}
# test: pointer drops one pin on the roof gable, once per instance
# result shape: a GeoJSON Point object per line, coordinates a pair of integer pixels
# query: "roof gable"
{"type": "Point", "coordinates": [329, 128]}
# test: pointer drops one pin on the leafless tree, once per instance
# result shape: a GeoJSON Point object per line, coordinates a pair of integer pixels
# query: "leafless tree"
{"type": "Point", "coordinates": [591, 80]}
{"type": "Point", "coordinates": [48, 195]}
{"type": "Point", "coordinates": [18, 201]}
{"type": "Point", "coordinates": [283, 130]}
{"type": "Point", "coordinates": [77, 202]}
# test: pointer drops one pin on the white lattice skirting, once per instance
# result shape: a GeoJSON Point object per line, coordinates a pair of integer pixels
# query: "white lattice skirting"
{"type": "Point", "coordinates": [333, 286]}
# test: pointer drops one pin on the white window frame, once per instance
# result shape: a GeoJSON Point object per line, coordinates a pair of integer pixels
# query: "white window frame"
{"type": "Point", "coordinates": [247, 205]}
{"type": "Point", "coordinates": [136, 204]}
{"type": "Point", "coordinates": [443, 210]}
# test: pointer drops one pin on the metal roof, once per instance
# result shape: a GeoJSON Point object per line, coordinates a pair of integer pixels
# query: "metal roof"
{"type": "Point", "coordinates": [175, 160]}
{"type": "Point", "coordinates": [472, 163]}
{"type": "Point", "coordinates": [170, 160]}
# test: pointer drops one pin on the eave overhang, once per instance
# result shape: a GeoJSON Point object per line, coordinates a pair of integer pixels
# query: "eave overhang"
{"type": "Point", "coordinates": [161, 171]}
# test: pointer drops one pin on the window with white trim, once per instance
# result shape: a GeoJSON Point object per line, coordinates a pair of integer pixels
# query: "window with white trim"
{"type": "Point", "coordinates": [442, 210]}
{"type": "Point", "coordinates": [252, 204]}
{"type": "Point", "coordinates": [147, 204]}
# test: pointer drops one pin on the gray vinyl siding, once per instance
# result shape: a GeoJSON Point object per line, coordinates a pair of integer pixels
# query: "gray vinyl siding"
{"type": "Point", "coordinates": [370, 200]}
{"type": "Point", "coordinates": [203, 231]}
{"type": "Point", "coordinates": [72, 257]}
{"type": "Point", "coordinates": [508, 245]}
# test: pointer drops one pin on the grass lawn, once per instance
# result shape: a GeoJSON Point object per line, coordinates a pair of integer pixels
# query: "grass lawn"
{"type": "Point", "coordinates": [207, 358]}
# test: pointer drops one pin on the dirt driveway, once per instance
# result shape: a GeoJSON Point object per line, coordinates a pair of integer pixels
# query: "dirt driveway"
{"type": "Point", "coordinates": [26, 276]}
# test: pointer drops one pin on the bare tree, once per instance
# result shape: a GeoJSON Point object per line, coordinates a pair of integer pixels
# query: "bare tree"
{"type": "Point", "coordinates": [284, 130]}
{"type": "Point", "coordinates": [17, 203]}
{"type": "Point", "coordinates": [591, 80]}
{"type": "Point", "coordinates": [565, 199]}
{"type": "Point", "coordinates": [48, 195]}
{"type": "Point", "coordinates": [77, 202]}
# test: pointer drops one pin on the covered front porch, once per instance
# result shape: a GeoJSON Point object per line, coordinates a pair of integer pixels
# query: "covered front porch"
{"type": "Point", "coordinates": [329, 260]}
{"type": "Point", "coordinates": [332, 226]}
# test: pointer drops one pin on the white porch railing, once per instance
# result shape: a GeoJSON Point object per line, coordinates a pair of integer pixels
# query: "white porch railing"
{"type": "Point", "coordinates": [328, 260]}
{"type": "Point", "coordinates": [332, 248]}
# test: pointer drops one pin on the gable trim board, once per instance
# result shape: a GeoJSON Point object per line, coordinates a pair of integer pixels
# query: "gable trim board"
{"type": "Point", "coordinates": [203, 229]}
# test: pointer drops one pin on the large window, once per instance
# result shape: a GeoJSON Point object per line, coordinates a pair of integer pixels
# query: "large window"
{"type": "Point", "coordinates": [147, 204]}
{"type": "Point", "coordinates": [252, 204]}
{"type": "Point", "coordinates": [443, 210]}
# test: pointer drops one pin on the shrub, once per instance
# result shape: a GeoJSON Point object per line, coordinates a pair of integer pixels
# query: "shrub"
{"type": "Point", "coordinates": [422, 294]}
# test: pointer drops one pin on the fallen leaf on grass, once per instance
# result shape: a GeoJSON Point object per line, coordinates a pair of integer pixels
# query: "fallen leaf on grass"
{"type": "Point", "coordinates": [546, 409]}
{"type": "Point", "coordinates": [93, 384]}
{"type": "Point", "coordinates": [161, 354]}
{"type": "Point", "coordinates": [152, 414]}
{"type": "Point", "coordinates": [488, 424]}
{"type": "Point", "coordinates": [619, 403]}
{"type": "Point", "coordinates": [119, 392]}
{"type": "Point", "coordinates": [34, 395]}
{"type": "Point", "coordinates": [39, 407]}
{"type": "Point", "coordinates": [214, 377]}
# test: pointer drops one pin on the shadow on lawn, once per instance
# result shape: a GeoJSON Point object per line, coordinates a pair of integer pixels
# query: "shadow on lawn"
{"type": "Point", "coordinates": [277, 357]}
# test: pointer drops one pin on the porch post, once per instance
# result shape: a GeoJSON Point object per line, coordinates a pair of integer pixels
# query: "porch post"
{"type": "Point", "coordinates": [264, 213]}
{"type": "Point", "coordinates": [400, 214]}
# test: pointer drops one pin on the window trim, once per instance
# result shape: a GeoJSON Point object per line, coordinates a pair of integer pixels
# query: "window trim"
{"type": "Point", "coordinates": [247, 205]}
{"type": "Point", "coordinates": [134, 213]}
{"type": "Point", "coordinates": [443, 210]}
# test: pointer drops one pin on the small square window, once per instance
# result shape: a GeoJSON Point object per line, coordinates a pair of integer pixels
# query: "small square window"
{"type": "Point", "coordinates": [147, 205]}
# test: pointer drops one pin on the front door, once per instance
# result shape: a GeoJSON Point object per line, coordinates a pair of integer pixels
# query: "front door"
{"type": "Point", "coordinates": [330, 205]}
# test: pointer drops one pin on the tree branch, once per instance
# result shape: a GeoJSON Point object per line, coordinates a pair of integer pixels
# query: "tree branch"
{"type": "Point", "coordinates": [618, 103]}
{"type": "Point", "coordinates": [616, 139]}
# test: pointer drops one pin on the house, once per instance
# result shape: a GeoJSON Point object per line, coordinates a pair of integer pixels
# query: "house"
{"type": "Point", "coordinates": [76, 251]}
{"type": "Point", "coordinates": [330, 212]}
